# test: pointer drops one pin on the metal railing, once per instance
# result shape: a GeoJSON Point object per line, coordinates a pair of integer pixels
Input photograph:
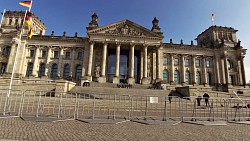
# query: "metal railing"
{"type": "Point", "coordinates": [44, 104]}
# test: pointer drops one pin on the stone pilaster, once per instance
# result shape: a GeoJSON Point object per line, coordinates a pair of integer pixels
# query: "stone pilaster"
{"type": "Point", "coordinates": [204, 71]}
{"type": "Point", "coordinates": [159, 66]}
{"type": "Point", "coordinates": [131, 79]}
{"type": "Point", "coordinates": [116, 78]}
{"type": "Point", "coordinates": [243, 70]}
{"type": "Point", "coordinates": [35, 65]}
{"type": "Point", "coordinates": [102, 79]}
{"type": "Point", "coordinates": [47, 73]}
{"type": "Point", "coordinates": [171, 76]}
{"type": "Point", "coordinates": [193, 69]}
{"type": "Point", "coordinates": [11, 57]}
{"type": "Point", "coordinates": [72, 64]}
{"type": "Point", "coordinates": [183, 69]}
{"type": "Point", "coordinates": [60, 67]}
{"type": "Point", "coordinates": [226, 73]}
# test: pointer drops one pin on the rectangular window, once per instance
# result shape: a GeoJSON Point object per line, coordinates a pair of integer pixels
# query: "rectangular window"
{"type": "Point", "coordinates": [32, 53]}
{"type": "Point", "coordinates": [165, 62]}
{"type": "Point", "coordinates": [176, 61]}
{"type": "Point", "coordinates": [79, 56]}
{"type": "Point", "coordinates": [187, 62]}
{"type": "Point", "coordinates": [208, 63]}
{"type": "Point", "coordinates": [197, 63]}
{"type": "Point", "coordinates": [44, 53]}
{"type": "Point", "coordinates": [67, 55]}
{"type": "Point", "coordinates": [56, 54]}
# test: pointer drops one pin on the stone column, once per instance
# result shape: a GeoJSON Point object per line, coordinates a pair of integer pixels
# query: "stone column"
{"type": "Point", "coordinates": [116, 79]}
{"type": "Point", "coordinates": [11, 58]}
{"type": "Point", "coordinates": [72, 64]}
{"type": "Point", "coordinates": [102, 79]}
{"type": "Point", "coordinates": [193, 73]}
{"type": "Point", "coordinates": [243, 70]}
{"type": "Point", "coordinates": [226, 70]}
{"type": "Point", "coordinates": [239, 71]}
{"type": "Point", "coordinates": [171, 76]}
{"type": "Point", "coordinates": [47, 73]}
{"type": "Point", "coordinates": [204, 70]}
{"type": "Point", "coordinates": [183, 69]}
{"type": "Point", "coordinates": [223, 71]}
{"type": "Point", "coordinates": [35, 65]}
{"type": "Point", "coordinates": [145, 65]}
{"type": "Point", "coordinates": [216, 69]}
{"type": "Point", "coordinates": [91, 50]}
{"type": "Point", "coordinates": [131, 79]}
{"type": "Point", "coordinates": [60, 67]}
{"type": "Point", "coordinates": [158, 67]}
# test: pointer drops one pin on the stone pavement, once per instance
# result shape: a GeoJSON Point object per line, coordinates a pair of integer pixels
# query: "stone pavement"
{"type": "Point", "coordinates": [17, 129]}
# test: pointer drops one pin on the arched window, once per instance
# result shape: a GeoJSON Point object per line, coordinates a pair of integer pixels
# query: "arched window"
{"type": "Point", "coordinates": [176, 77]}
{"type": "Point", "coordinates": [229, 64]}
{"type": "Point", "coordinates": [209, 78]}
{"type": "Point", "coordinates": [66, 71]}
{"type": "Point", "coordinates": [6, 51]}
{"type": "Point", "coordinates": [187, 77]}
{"type": "Point", "coordinates": [10, 21]}
{"type": "Point", "coordinates": [165, 75]}
{"type": "Point", "coordinates": [53, 73]}
{"type": "Point", "coordinates": [29, 69]}
{"type": "Point", "coordinates": [78, 73]}
{"type": "Point", "coordinates": [198, 78]}
{"type": "Point", "coordinates": [41, 70]}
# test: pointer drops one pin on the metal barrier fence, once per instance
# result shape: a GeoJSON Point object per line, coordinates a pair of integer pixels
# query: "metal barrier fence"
{"type": "Point", "coordinates": [103, 106]}
{"type": "Point", "coordinates": [238, 109]}
{"type": "Point", "coordinates": [197, 108]}
{"type": "Point", "coordinates": [62, 105]}
{"type": "Point", "coordinates": [49, 104]}
{"type": "Point", "coordinates": [155, 108]}
{"type": "Point", "coordinates": [10, 105]}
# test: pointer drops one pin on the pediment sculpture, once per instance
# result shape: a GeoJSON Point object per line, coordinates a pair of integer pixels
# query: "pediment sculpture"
{"type": "Point", "coordinates": [125, 30]}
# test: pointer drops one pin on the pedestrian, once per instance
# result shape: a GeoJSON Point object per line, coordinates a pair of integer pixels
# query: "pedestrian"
{"type": "Point", "coordinates": [206, 97]}
{"type": "Point", "coordinates": [170, 98]}
{"type": "Point", "coordinates": [199, 100]}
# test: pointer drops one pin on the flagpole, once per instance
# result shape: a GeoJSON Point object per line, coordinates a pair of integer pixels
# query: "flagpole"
{"type": "Point", "coordinates": [30, 5]}
{"type": "Point", "coordinates": [17, 49]}
{"type": "Point", "coordinates": [2, 18]}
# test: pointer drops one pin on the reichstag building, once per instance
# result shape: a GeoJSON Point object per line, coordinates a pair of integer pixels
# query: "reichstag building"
{"type": "Point", "coordinates": [122, 52]}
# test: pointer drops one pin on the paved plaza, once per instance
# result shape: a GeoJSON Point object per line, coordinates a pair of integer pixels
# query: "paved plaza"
{"type": "Point", "coordinates": [72, 130]}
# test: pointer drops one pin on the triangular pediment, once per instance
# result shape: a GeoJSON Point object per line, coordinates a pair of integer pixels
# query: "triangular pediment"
{"type": "Point", "coordinates": [124, 28]}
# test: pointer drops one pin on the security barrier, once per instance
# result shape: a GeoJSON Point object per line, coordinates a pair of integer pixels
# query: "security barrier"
{"type": "Point", "coordinates": [61, 105]}
{"type": "Point", "coordinates": [10, 104]}
{"type": "Point", "coordinates": [198, 108]}
{"type": "Point", "coordinates": [103, 106]}
{"type": "Point", "coordinates": [159, 108]}
{"type": "Point", "coordinates": [49, 104]}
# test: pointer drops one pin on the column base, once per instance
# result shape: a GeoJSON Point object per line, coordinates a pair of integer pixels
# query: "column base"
{"type": "Point", "coordinates": [116, 80]}
{"type": "Point", "coordinates": [131, 81]}
{"type": "Point", "coordinates": [145, 81]}
{"type": "Point", "coordinates": [102, 79]}
{"type": "Point", "coordinates": [158, 80]}
{"type": "Point", "coordinates": [89, 78]}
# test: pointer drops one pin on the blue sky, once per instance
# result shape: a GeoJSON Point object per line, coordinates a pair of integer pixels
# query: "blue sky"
{"type": "Point", "coordinates": [178, 19]}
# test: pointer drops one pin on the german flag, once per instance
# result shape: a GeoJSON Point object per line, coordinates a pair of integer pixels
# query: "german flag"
{"type": "Point", "coordinates": [27, 21]}
{"type": "Point", "coordinates": [30, 34]}
{"type": "Point", "coordinates": [25, 3]}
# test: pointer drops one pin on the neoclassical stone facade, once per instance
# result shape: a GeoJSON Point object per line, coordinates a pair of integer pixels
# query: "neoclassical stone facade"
{"type": "Point", "coordinates": [122, 52]}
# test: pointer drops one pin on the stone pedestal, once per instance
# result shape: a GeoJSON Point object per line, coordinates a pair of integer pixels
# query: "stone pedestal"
{"type": "Point", "coordinates": [89, 78]}
{"type": "Point", "coordinates": [116, 80]}
{"type": "Point", "coordinates": [145, 81]}
{"type": "Point", "coordinates": [102, 79]}
{"type": "Point", "coordinates": [131, 81]}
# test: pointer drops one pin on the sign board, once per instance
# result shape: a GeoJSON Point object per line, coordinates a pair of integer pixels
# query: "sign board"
{"type": "Point", "coordinates": [153, 99]}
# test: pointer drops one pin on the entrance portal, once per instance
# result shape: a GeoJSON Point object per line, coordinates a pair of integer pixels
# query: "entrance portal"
{"type": "Point", "coordinates": [124, 66]}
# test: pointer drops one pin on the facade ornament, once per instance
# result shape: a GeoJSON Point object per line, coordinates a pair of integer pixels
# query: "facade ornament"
{"type": "Point", "coordinates": [97, 70]}
{"type": "Point", "coordinates": [125, 30]}
{"type": "Point", "coordinates": [93, 24]}
{"type": "Point", "coordinates": [76, 35]}
{"type": "Point", "coordinates": [171, 41]}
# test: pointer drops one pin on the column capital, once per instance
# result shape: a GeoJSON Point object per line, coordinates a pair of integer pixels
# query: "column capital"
{"type": "Point", "coordinates": [91, 42]}
{"type": "Point", "coordinates": [105, 43]}
{"type": "Point", "coordinates": [118, 43]}
{"type": "Point", "coordinates": [145, 45]}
